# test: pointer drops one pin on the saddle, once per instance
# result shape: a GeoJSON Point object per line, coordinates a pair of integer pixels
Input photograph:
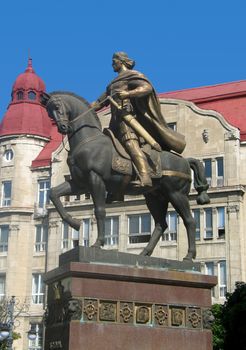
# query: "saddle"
{"type": "Point", "coordinates": [122, 163]}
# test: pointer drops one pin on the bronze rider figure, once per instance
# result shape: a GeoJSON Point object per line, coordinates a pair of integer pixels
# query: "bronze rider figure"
{"type": "Point", "coordinates": [136, 117]}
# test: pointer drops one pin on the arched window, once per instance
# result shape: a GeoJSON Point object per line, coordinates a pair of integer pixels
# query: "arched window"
{"type": "Point", "coordinates": [31, 95]}
{"type": "Point", "coordinates": [20, 95]}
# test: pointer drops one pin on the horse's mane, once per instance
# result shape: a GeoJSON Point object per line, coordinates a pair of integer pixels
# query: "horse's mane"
{"type": "Point", "coordinates": [82, 99]}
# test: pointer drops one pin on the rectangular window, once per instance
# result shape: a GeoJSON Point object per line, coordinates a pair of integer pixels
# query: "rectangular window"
{"type": "Point", "coordinates": [6, 193]}
{"type": "Point", "coordinates": [4, 237]}
{"type": "Point", "coordinates": [220, 171]}
{"type": "Point", "coordinates": [221, 222]}
{"type": "Point", "coordinates": [209, 270]}
{"type": "Point", "coordinates": [43, 193]}
{"type": "Point", "coordinates": [86, 233]}
{"type": "Point", "coordinates": [208, 223]}
{"type": "Point", "coordinates": [112, 230]}
{"type": "Point", "coordinates": [139, 228]}
{"type": "Point", "coordinates": [75, 238]}
{"type": "Point", "coordinates": [37, 343]}
{"type": "Point", "coordinates": [37, 289]}
{"type": "Point", "coordinates": [41, 238]}
{"type": "Point", "coordinates": [65, 236]}
{"type": "Point", "coordinates": [2, 286]}
{"type": "Point", "coordinates": [208, 170]}
{"type": "Point", "coordinates": [196, 215]}
{"type": "Point", "coordinates": [171, 232]}
{"type": "Point", "coordinates": [222, 281]}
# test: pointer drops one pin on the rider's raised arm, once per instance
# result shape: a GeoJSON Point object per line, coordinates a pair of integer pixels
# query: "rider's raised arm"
{"type": "Point", "coordinates": [101, 102]}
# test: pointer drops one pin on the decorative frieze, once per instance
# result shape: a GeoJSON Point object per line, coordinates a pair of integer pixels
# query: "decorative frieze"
{"type": "Point", "coordinates": [107, 311]}
{"type": "Point", "coordinates": [132, 313]}
{"type": "Point", "coordinates": [194, 318]}
{"type": "Point", "coordinates": [177, 316]}
{"type": "Point", "coordinates": [126, 312]}
{"type": "Point", "coordinates": [161, 315]}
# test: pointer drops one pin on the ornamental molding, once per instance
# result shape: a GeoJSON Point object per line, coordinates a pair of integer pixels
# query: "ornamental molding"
{"type": "Point", "coordinates": [90, 310]}
{"type": "Point", "coordinates": [204, 113]}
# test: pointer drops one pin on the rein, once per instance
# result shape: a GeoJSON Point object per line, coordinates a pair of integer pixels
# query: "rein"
{"type": "Point", "coordinates": [89, 110]}
{"type": "Point", "coordinates": [59, 104]}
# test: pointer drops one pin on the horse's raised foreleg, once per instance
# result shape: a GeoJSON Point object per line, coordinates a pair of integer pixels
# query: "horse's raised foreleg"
{"type": "Point", "coordinates": [98, 191]}
{"type": "Point", "coordinates": [158, 209]}
{"type": "Point", "coordinates": [65, 189]}
{"type": "Point", "coordinates": [180, 202]}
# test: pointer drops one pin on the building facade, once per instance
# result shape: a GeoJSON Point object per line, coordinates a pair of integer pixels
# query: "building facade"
{"type": "Point", "coordinates": [33, 159]}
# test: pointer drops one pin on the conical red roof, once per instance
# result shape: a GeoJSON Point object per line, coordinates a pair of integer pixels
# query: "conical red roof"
{"type": "Point", "coordinates": [29, 80]}
{"type": "Point", "coordinates": [25, 114]}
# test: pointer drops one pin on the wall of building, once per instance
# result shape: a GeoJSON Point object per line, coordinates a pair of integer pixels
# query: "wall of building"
{"type": "Point", "coordinates": [208, 136]}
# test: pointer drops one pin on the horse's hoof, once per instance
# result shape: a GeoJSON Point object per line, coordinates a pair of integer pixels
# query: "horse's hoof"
{"type": "Point", "coordinates": [189, 257]}
{"type": "Point", "coordinates": [145, 252]}
{"type": "Point", "coordinates": [75, 223]}
{"type": "Point", "coordinates": [98, 244]}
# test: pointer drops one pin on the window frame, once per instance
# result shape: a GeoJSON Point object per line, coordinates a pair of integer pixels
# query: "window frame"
{"type": "Point", "coordinates": [6, 200]}
{"type": "Point", "coordinates": [86, 225]}
{"type": "Point", "coordinates": [8, 155]}
{"type": "Point", "coordinates": [208, 169]}
{"type": "Point", "coordinates": [207, 272]}
{"type": "Point", "coordinates": [207, 229]}
{"type": "Point", "coordinates": [20, 95]}
{"type": "Point", "coordinates": [32, 96]}
{"type": "Point", "coordinates": [3, 278]}
{"type": "Point", "coordinates": [65, 238]}
{"type": "Point", "coordinates": [222, 275]}
{"type": "Point", "coordinates": [170, 235]}
{"type": "Point", "coordinates": [4, 243]}
{"type": "Point", "coordinates": [37, 343]}
{"type": "Point", "coordinates": [40, 246]}
{"type": "Point", "coordinates": [111, 238]}
{"type": "Point", "coordinates": [44, 191]}
{"type": "Point", "coordinates": [37, 289]}
{"type": "Point", "coordinates": [196, 213]}
{"type": "Point", "coordinates": [220, 178]}
{"type": "Point", "coordinates": [221, 235]}
{"type": "Point", "coordinates": [133, 238]}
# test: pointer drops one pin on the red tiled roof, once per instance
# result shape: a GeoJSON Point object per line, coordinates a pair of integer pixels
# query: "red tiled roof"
{"type": "Point", "coordinates": [26, 118]}
{"type": "Point", "coordinates": [26, 115]}
{"type": "Point", "coordinates": [29, 80]}
{"type": "Point", "coordinates": [44, 157]}
{"type": "Point", "coordinates": [228, 99]}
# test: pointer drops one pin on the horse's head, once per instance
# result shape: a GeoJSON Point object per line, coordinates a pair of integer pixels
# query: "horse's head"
{"type": "Point", "coordinates": [58, 111]}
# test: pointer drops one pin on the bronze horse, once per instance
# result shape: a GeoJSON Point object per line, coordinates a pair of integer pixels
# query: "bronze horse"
{"type": "Point", "coordinates": [90, 164]}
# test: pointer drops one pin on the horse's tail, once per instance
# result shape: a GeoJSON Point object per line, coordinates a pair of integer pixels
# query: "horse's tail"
{"type": "Point", "coordinates": [200, 182]}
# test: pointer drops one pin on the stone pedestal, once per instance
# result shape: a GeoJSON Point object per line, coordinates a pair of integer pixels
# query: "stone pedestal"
{"type": "Point", "coordinates": [93, 305]}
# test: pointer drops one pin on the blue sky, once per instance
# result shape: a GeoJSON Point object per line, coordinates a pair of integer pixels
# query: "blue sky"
{"type": "Point", "coordinates": [178, 44]}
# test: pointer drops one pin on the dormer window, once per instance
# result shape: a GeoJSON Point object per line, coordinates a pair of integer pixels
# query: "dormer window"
{"type": "Point", "coordinates": [20, 95]}
{"type": "Point", "coordinates": [31, 95]}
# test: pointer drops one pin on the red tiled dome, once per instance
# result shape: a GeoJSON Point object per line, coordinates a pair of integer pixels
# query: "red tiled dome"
{"type": "Point", "coordinates": [25, 114]}
{"type": "Point", "coordinates": [29, 80]}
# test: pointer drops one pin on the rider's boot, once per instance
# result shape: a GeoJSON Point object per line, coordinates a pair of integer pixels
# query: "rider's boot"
{"type": "Point", "coordinates": [144, 177]}
{"type": "Point", "coordinates": [140, 163]}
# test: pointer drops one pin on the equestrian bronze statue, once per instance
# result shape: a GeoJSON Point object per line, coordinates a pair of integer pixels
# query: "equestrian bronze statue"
{"type": "Point", "coordinates": [136, 118]}
{"type": "Point", "coordinates": [99, 164]}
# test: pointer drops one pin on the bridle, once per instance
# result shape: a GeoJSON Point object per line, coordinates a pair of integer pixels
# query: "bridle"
{"type": "Point", "coordinates": [63, 119]}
